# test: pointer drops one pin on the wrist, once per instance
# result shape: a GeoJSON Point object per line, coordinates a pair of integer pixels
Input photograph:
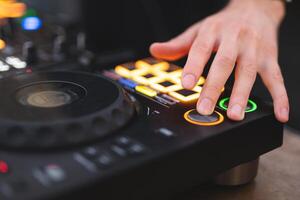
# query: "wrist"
{"type": "Point", "coordinates": [273, 8]}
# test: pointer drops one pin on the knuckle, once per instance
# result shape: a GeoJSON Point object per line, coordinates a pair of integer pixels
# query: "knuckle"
{"type": "Point", "coordinates": [225, 61]}
{"type": "Point", "coordinates": [213, 89]}
{"type": "Point", "coordinates": [246, 31]}
{"type": "Point", "coordinates": [271, 50]}
{"type": "Point", "coordinates": [278, 77]}
{"type": "Point", "coordinates": [249, 69]}
{"type": "Point", "coordinates": [203, 48]}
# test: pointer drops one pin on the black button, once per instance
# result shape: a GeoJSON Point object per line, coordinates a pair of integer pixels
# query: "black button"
{"type": "Point", "coordinates": [104, 160]}
{"type": "Point", "coordinates": [195, 116]}
{"type": "Point", "coordinates": [185, 92]}
{"type": "Point", "coordinates": [119, 151]}
{"type": "Point", "coordinates": [50, 174]}
{"type": "Point", "coordinates": [123, 141]}
{"type": "Point", "coordinates": [167, 133]}
{"type": "Point", "coordinates": [90, 152]}
{"type": "Point", "coordinates": [136, 149]}
{"type": "Point", "coordinates": [166, 83]}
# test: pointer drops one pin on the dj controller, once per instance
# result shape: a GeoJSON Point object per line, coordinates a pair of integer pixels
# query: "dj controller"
{"type": "Point", "coordinates": [128, 131]}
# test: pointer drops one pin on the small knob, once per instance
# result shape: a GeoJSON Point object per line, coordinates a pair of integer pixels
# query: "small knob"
{"type": "Point", "coordinates": [81, 41]}
{"type": "Point", "coordinates": [30, 52]}
{"type": "Point", "coordinates": [60, 47]}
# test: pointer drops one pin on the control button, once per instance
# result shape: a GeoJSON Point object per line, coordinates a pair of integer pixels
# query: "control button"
{"type": "Point", "coordinates": [184, 95]}
{"type": "Point", "coordinates": [29, 52]}
{"type": "Point", "coordinates": [136, 149]}
{"type": "Point", "coordinates": [50, 174]}
{"type": "Point", "coordinates": [194, 117]}
{"type": "Point", "coordinates": [146, 90]}
{"type": "Point", "coordinates": [161, 66]}
{"type": "Point", "coordinates": [127, 83]}
{"type": "Point", "coordinates": [4, 67]}
{"type": "Point", "coordinates": [170, 98]}
{"type": "Point", "coordinates": [119, 151]}
{"type": "Point", "coordinates": [2, 44]}
{"type": "Point", "coordinates": [251, 106]}
{"type": "Point", "coordinates": [90, 152]}
{"type": "Point", "coordinates": [165, 132]}
{"type": "Point", "coordinates": [175, 74]}
{"type": "Point", "coordinates": [146, 78]}
{"type": "Point", "coordinates": [104, 160]}
{"type": "Point", "coordinates": [11, 9]}
{"type": "Point", "coordinates": [123, 141]}
{"type": "Point", "coordinates": [60, 47]}
{"type": "Point", "coordinates": [164, 100]}
{"type": "Point", "coordinates": [129, 71]}
{"type": "Point", "coordinates": [15, 62]}
{"type": "Point", "coordinates": [201, 81]}
{"type": "Point", "coordinates": [4, 169]}
{"type": "Point", "coordinates": [130, 146]}
{"type": "Point", "coordinates": [165, 86]}
{"type": "Point", "coordinates": [111, 75]}
{"type": "Point", "coordinates": [55, 173]}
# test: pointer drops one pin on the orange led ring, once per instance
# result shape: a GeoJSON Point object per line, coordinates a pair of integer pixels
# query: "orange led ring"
{"type": "Point", "coordinates": [219, 121]}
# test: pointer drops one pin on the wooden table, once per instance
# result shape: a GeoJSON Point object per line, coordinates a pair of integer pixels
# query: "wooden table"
{"type": "Point", "coordinates": [278, 177]}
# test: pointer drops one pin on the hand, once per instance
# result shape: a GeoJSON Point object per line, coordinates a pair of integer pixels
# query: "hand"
{"type": "Point", "coordinates": [244, 37]}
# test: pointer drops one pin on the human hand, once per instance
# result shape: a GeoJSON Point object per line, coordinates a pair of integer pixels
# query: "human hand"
{"type": "Point", "coordinates": [244, 37]}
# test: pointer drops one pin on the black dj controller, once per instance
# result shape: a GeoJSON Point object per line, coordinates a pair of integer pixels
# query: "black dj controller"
{"type": "Point", "coordinates": [129, 131]}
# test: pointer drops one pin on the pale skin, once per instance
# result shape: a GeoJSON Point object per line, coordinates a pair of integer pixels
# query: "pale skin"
{"type": "Point", "coordinates": [244, 36]}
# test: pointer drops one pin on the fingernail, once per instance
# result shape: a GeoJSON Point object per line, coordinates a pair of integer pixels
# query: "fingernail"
{"type": "Point", "coordinates": [205, 106]}
{"type": "Point", "coordinates": [284, 112]}
{"type": "Point", "coordinates": [237, 110]}
{"type": "Point", "coordinates": [188, 81]}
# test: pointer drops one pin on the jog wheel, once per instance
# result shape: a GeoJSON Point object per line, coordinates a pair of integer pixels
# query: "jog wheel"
{"type": "Point", "coordinates": [60, 109]}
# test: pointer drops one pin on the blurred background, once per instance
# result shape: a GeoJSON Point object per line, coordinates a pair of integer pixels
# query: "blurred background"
{"type": "Point", "coordinates": [118, 31]}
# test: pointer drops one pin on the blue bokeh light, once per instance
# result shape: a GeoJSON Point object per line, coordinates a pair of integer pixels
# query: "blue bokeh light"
{"type": "Point", "coordinates": [31, 23]}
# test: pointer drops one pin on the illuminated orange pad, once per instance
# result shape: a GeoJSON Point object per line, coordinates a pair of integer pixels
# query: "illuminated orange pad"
{"type": "Point", "coordinates": [11, 9]}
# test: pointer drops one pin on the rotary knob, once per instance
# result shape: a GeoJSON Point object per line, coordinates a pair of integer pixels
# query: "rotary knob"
{"type": "Point", "coordinates": [29, 52]}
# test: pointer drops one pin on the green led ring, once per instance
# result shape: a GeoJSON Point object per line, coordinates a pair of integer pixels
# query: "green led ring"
{"type": "Point", "coordinates": [252, 103]}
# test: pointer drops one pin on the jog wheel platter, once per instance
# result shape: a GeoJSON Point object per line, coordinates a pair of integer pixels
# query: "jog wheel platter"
{"type": "Point", "coordinates": [57, 109]}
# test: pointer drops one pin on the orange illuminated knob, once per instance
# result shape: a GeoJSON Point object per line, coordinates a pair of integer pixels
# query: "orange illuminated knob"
{"type": "Point", "coordinates": [194, 117]}
{"type": "Point", "coordinates": [2, 44]}
{"type": "Point", "coordinates": [11, 8]}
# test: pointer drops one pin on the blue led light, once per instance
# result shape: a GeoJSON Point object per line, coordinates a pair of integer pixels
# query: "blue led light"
{"type": "Point", "coordinates": [127, 83]}
{"type": "Point", "coordinates": [31, 23]}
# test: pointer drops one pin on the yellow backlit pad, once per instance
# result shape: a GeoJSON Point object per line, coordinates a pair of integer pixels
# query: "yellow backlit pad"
{"type": "Point", "coordinates": [2, 44]}
{"type": "Point", "coordinates": [129, 73]}
{"type": "Point", "coordinates": [184, 95]}
{"type": "Point", "coordinates": [161, 77]}
{"type": "Point", "coordinates": [146, 91]}
{"type": "Point", "coordinates": [162, 66]}
{"type": "Point", "coordinates": [165, 86]}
